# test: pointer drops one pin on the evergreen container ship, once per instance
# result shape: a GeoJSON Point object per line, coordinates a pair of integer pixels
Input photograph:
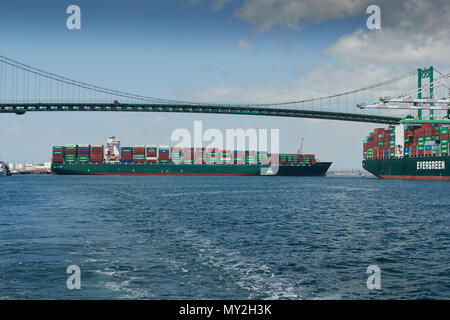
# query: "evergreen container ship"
{"type": "Point", "coordinates": [163, 160]}
{"type": "Point", "coordinates": [414, 149]}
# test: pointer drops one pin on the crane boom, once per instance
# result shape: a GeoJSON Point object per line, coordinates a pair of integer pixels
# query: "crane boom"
{"type": "Point", "coordinates": [301, 146]}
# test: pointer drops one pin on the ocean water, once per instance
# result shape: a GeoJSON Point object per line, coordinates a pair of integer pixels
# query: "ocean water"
{"type": "Point", "coordinates": [223, 237]}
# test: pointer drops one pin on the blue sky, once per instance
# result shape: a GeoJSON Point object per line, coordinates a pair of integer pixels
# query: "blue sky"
{"type": "Point", "coordinates": [192, 50]}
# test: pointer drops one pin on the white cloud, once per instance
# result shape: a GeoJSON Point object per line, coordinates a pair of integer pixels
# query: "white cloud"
{"type": "Point", "coordinates": [266, 14]}
{"type": "Point", "coordinates": [320, 81]}
{"type": "Point", "coordinates": [414, 34]}
{"type": "Point", "coordinates": [243, 44]}
{"type": "Point", "coordinates": [219, 4]}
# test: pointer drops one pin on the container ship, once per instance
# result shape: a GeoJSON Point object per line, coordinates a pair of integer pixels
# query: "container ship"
{"type": "Point", "coordinates": [414, 149]}
{"type": "Point", "coordinates": [164, 160]}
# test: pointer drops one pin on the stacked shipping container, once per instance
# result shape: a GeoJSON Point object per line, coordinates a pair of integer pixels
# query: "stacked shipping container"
{"type": "Point", "coordinates": [188, 155]}
{"type": "Point", "coordinates": [70, 153]}
{"type": "Point", "coordinates": [97, 153]}
{"type": "Point", "coordinates": [213, 156]}
{"type": "Point", "coordinates": [176, 155]}
{"type": "Point", "coordinates": [380, 143]}
{"type": "Point", "coordinates": [139, 154]}
{"type": "Point", "coordinates": [126, 154]}
{"type": "Point", "coordinates": [164, 154]}
{"type": "Point", "coordinates": [199, 156]}
{"type": "Point", "coordinates": [58, 154]}
{"type": "Point", "coordinates": [428, 139]}
{"type": "Point", "coordinates": [151, 154]}
{"type": "Point", "coordinates": [83, 153]}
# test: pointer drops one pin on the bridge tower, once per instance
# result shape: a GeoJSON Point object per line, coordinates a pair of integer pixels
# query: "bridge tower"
{"type": "Point", "coordinates": [425, 74]}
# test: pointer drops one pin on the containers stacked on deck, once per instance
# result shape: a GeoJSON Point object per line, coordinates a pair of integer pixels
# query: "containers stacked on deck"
{"type": "Point", "coordinates": [251, 157]}
{"type": "Point", "coordinates": [297, 159]}
{"type": "Point", "coordinates": [239, 157]}
{"type": "Point", "coordinates": [226, 157]}
{"type": "Point", "coordinates": [380, 144]}
{"type": "Point", "coordinates": [151, 154]}
{"type": "Point", "coordinates": [163, 154]}
{"type": "Point", "coordinates": [70, 153]}
{"type": "Point", "coordinates": [428, 139]}
{"type": "Point", "coordinates": [285, 158]}
{"type": "Point", "coordinates": [167, 155]}
{"type": "Point", "coordinates": [212, 156]}
{"type": "Point", "coordinates": [83, 153]}
{"type": "Point", "coordinates": [188, 155]}
{"type": "Point", "coordinates": [126, 154]}
{"type": "Point", "coordinates": [139, 154]}
{"type": "Point", "coordinates": [97, 153]}
{"type": "Point", "coordinates": [421, 141]}
{"type": "Point", "coordinates": [176, 155]}
{"type": "Point", "coordinates": [263, 158]}
{"type": "Point", "coordinates": [58, 154]}
{"type": "Point", "coordinates": [199, 155]}
{"type": "Point", "coordinates": [309, 159]}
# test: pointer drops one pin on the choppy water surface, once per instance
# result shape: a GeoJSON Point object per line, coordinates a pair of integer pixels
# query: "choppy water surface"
{"type": "Point", "coordinates": [223, 237]}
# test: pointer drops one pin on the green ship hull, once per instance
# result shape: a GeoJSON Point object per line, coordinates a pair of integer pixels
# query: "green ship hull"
{"type": "Point", "coordinates": [317, 169]}
{"type": "Point", "coordinates": [415, 168]}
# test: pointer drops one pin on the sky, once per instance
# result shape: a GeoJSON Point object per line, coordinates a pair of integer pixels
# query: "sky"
{"type": "Point", "coordinates": [220, 51]}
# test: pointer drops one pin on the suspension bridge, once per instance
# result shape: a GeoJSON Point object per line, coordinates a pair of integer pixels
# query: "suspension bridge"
{"type": "Point", "coordinates": [24, 88]}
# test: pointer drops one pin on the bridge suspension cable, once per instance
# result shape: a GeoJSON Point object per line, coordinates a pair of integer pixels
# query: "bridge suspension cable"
{"type": "Point", "coordinates": [26, 88]}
